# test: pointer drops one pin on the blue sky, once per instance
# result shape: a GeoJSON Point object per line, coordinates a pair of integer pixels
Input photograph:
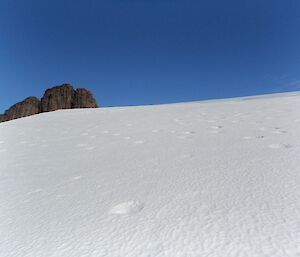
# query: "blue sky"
{"type": "Point", "coordinates": [134, 52]}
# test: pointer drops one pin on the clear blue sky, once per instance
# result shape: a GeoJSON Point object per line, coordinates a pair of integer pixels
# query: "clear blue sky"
{"type": "Point", "coordinates": [133, 52]}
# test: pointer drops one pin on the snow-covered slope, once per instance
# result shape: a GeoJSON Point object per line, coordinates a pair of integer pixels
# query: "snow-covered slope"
{"type": "Point", "coordinates": [219, 178]}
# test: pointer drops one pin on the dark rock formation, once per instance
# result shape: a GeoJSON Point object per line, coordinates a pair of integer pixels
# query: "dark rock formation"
{"type": "Point", "coordinates": [83, 99]}
{"type": "Point", "coordinates": [2, 117]}
{"type": "Point", "coordinates": [65, 97]}
{"type": "Point", "coordinates": [29, 106]}
{"type": "Point", "coordinates": [59, 97]}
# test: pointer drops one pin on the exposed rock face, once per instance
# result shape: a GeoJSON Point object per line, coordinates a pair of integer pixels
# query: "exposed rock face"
{"type": "Point", "coordinates": [2, 117]}
{"type": "Point", "coordinates": [65, 97]}
{"type": "Point", "coordinates": [59, 97]}
{"type": "Point", "coordinates": [84, 99]}
{"type": "Point", "coordinates": [29, 106]}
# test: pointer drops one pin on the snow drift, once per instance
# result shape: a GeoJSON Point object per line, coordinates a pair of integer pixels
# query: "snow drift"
{"type": "Point", "coordinates": [216, 178]}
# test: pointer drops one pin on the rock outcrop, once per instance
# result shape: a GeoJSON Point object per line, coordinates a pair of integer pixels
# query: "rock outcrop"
{"type": "Point", "coordinates": [29, 106]}
{"type": "Point", "coordinates": [83, 99]}
{"type": "Point", "coordinates": [59, 97]}
{"type": "Point", "coordinates": [65, 97]}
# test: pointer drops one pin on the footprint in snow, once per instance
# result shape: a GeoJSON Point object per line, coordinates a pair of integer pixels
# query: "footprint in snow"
{"type": "Point", "coordinates": [214, 131]}
{"type": "Point", "coordinates": [251, 137]}
{"type": "Point", "coordinates": [81, 145]}
{"type": "Point", "coordinates": [278, 130]}
{"type": "Point", "coordinates": [186, 156]}
{"type": "Point", "coordinates": [139, 142]}
{"type": "Point", "coordinates": [216, 127]}
{"type": "Point", "coordinates": [189, 132]}
{"type": "Point", "coordinates": [129, 207]}
{"type": "Point", "coordinates": [90, 148]}
{"type": "Point", "coordinates": [278, 146]}
{"type": "Point", "coordinates": [262, 128]}
{"type": "Point", "coordinates": [38, 190]}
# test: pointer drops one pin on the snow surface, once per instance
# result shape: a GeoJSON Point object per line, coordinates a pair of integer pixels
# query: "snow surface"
{"type": "Point", "coordinates": [215, 178]}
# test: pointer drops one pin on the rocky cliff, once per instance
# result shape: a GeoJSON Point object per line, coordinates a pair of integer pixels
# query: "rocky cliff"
{"type": "Point", "coordinates": [58, 97]}
{"type": "Point", "coordinates": [29, 106]}
{"type": "Point", "coordinates": [83, 99]}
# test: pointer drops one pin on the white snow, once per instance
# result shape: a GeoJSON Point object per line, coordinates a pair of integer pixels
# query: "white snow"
{"type": "Point", "coordinates": [201, 179]}
{"type": "Point", "coordinates": [127, 208]}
